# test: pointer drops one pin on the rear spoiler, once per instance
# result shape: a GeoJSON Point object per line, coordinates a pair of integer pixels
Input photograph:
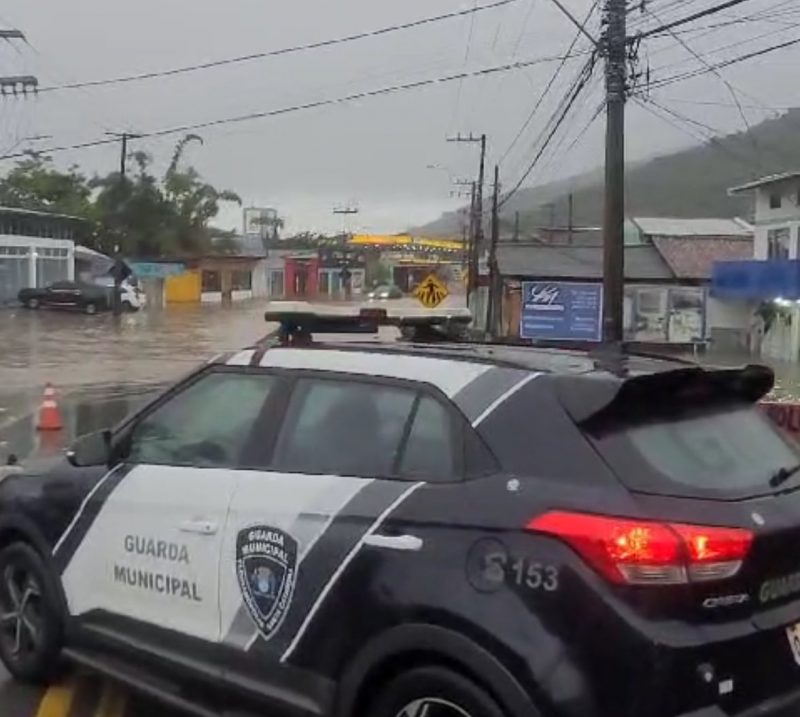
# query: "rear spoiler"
{"type": "Point", "coordinates": [597, 398]}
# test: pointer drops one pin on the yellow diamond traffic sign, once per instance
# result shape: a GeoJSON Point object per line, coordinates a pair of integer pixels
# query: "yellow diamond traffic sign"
{"type": "Point", "coordinates": [431, 292]}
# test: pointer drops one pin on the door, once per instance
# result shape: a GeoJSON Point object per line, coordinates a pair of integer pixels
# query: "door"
{"type": "Point", "coordinates": [151, 552]}
{"type": "Point", "coordinates": [62, 293]}
{"type": "Point", "coordinates": [294, 529]}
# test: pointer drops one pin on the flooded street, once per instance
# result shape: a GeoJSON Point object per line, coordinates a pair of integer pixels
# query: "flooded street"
{"type": "Point", "coordinates": [100, 366]}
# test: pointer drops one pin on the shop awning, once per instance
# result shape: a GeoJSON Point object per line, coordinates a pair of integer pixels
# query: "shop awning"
{"type": "Point", "coordinates": [773, 279]}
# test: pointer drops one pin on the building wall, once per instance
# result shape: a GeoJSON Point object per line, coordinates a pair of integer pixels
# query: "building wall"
{"type": "Point", "coordinates": [183, 288]}
{"type": "Point", "coordinates": [729, 324]}
{"type": "Point", "coordinates": [33, 262]}
{"type": "Point", "coordinates": [767, 218]}
{"type": "Point", "coordinates": [260, 280]}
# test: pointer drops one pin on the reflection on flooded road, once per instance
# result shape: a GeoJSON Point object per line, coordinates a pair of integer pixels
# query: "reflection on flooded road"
{"type": "Point", "coordinates": [83, 412]}
{"type": "Point", "coordinates": [72, 349]}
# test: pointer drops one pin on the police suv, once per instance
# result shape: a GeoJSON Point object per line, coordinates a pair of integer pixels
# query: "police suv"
{"type": "Point", "coordinates": [420, 529]}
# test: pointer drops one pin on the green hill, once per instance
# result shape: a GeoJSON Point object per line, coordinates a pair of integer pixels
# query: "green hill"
{"type": "Point", "coordinates": [689, 183]}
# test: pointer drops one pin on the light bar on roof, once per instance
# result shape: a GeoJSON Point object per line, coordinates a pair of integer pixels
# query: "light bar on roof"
{"type": "Point", "coordinates": [306, 317]}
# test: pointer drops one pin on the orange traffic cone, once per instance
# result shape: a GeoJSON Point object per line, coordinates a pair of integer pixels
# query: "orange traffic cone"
{"type": "Point", "coordinates": [49, 414]}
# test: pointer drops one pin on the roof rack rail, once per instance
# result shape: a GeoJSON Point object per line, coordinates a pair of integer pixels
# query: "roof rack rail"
{"type": "Point", "coordinates": [300, 320]}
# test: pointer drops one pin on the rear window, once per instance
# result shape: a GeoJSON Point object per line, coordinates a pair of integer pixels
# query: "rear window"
{"type": "Point", "coordinates": [730, 450]}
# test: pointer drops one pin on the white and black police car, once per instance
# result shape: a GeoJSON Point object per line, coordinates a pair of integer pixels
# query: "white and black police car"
{"type": "Point", "coordinates": [420, 529]}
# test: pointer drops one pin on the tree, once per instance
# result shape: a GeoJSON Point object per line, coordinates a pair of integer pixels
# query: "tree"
{"type": "Point", "coordinates": [139, 214]}
{"type": "Point", "coordinates": [34, 183]}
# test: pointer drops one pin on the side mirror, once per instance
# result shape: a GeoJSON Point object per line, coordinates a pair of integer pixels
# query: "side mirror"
{"type": "Point", "coordinates": [93, 449]}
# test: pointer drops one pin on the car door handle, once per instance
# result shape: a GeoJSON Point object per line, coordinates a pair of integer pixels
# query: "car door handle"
{"type": "Point", "coordinates": [394, 542]}
{"type": "Point", "coordinates": [201, 527]}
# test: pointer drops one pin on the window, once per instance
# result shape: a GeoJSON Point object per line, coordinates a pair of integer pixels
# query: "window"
{"type": "Point", "coordinates": [429, 450]}
{"type": "Point", "coordinates": [205, 425]}
{"type": "Point", "coordinates": [728, 449]}
{"type": "Point", "coordinates": [242, 280]}
{"type": "Point", "coordinates": [775, 200]}
{"type": "Point", "coordinates": [211, 281]}
{"type": "Point", "coordinates": [778, 243]}
{"type": "Point", "coordinates": [344, 428]}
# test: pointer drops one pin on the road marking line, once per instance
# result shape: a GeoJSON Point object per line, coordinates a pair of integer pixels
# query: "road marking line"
{"type": "Point", "coordinates": [57, 701]}
{"type": "Point", "coordinates": [113, 701]}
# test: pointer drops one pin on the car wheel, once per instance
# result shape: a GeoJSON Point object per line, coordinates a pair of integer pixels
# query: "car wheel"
{"type": "Point", "coordinates": [90, 308]}
{"type": "Point", "coordinates": [30, 618]}
{"type": "Point", "coordinates": [433, 692]}
{"type": "Point", "coordinates": [32, 303]}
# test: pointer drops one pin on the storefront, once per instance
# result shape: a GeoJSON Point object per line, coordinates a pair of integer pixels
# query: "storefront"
{"type": "Point", "coordinates": [665, 314]}
{"type": "Point", "coordinates": [36, 249]}
{"type": "Point", "coordinates": [341, 270]}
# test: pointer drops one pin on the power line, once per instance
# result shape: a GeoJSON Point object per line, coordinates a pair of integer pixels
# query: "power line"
{"type": "Point", "coordinates": [713, 103]}
{"type": "Point", "coordinates": [716, 72]}
{"type": "Point", "coordinates": [691, 18]}
{"type": "Point", "coordinates": [464, 64]}
{"type": "Point", "coordinates": [580, 25]}
{"type": "Point", "coordinates": [308, 105]}
{"type": "Point", "coordinates": [726, 63]}
{"type": "Point", "coordinates": [282, 51]}
{"type": "Point", "coordinates": [728, 46]}
{"type": "Point", "coordinates": [547, 88]}
{"type": "Point", "coordinates": [559, 118]}
{"type": "Point", "coordinates": [713, 142]}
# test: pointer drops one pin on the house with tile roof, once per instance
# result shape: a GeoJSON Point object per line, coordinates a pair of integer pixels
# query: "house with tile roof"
{"type": "Point", "coordinates": [667, 283]}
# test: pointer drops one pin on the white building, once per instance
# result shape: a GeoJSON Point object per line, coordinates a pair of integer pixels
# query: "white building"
{"type": "Point", "coordinates": [773, 278]}
{"type": "Point", "coordinates": [36, 249]}
{"type": "Point", "coordinates": [777, 215]}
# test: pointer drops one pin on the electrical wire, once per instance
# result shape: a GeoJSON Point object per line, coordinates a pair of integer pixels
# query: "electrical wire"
{"type": "Point", "coordinates": [558, 119]}
{"type": "Point", "coordinates": [716, 72]}
{"type": "Point", "coordinates": [282, 51]}
{"type": "Point", "coordinates": [726, 63]}
{"type": "Point", "coordinates": [467, 52]}
{"type": "Point", "coordinates": [691, 18]}
{"type": "Point", "coordinates": [547, 88]}
{"type": "Point", "coordinates": [713, 141]}
{"type": "Point", "coordinates": [393, 89]}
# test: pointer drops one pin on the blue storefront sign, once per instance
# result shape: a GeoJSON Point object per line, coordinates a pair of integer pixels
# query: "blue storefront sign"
{"type": "Point", "coordinates": [156, 269]}
{"type": "Point", "coordinates": [560, 311]}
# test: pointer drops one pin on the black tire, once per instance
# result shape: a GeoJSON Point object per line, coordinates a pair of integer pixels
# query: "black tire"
{"type": "Point", "coordinates": [446, 694]}
{"type": "Point", "coordinates": [90, 308]}
{"type": "Point", "coordinates": [32, 303]}
{"type": "Point", "coordinates": [31, 624]}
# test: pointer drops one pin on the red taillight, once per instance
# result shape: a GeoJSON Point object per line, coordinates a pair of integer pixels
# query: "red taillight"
{"type": "Point", "coordinates": [641, 552]}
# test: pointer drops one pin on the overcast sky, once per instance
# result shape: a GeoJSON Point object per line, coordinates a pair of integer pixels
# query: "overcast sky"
{"type": "Point", "coordinates": [373, 153]}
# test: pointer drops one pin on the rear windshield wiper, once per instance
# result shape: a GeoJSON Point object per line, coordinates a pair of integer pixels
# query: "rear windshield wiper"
{"type": "Point", "coordinates": [782, 475]}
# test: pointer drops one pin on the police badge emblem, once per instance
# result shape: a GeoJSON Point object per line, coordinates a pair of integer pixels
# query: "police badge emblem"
{"type": "Point", "coordinates": [266, 568]}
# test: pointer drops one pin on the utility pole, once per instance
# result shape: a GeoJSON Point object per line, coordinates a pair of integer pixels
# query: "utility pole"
{"type": "Point", "coordinates": [614, 45]}
{"type": "Point", "coordinates": [470, 243]}
{"type": "Point", "coordinates": [570, 209]}
{"type": "Point", "coordinates": [477, 234]}
{"type": "Point", "coordinates": [345, 212]}
{"type": "Point", "coordinates": [120, 270]}
{"type": "Point", "coordinates": [493, 303]}
{"type": "Point", "coordinates": [16, 84]}
{"type": "Point", "coordinates": [123, 156]}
